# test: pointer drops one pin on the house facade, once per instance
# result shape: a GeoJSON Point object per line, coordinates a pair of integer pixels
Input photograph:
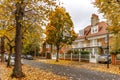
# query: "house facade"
{"type": "Point", "coordinates": [50, 51]}
{"type": "Point", "coordinates": [92, 38]}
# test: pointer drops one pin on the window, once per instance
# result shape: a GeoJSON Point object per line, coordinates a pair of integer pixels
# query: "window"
{"type": "Point", "coordinates": [47, 46]}
{"type": "Point", "coordinates": [93, 42]}
{"type": "Point", "coordinates": [106, 39]}
{"type": "Point", "coordinates": [95, 50]}
{"type": "Point", "coordinates": [94, 29]}
{"type": "Point", "coordinates": [81, 32]}
{"type": "Point", "coordinates": [80, 44]}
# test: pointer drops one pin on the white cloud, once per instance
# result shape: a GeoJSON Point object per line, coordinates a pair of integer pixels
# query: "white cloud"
{"type": "Point", "coordinates": [80, 11]}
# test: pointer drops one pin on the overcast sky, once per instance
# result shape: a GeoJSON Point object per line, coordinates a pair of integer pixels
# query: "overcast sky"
{"type": "Point", "coordinates": [80, 12]}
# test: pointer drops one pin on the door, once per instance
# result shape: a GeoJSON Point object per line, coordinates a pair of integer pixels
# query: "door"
{"type": "Point", "coordinates": [93, 55]}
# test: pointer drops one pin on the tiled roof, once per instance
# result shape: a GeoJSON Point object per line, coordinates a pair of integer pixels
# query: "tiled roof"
{"type": "Point", "coordinates": [87, 30]}
{"type": "Point", "coordinates": [101, 30]}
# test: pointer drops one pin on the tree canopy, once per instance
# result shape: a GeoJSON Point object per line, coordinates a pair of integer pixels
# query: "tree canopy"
{"type": "Point", "coordinates": [111, 11]}
{"type": "Point", "coordinates": [60, 30]}
{"type": "Point", "coordinates": [24, 14]}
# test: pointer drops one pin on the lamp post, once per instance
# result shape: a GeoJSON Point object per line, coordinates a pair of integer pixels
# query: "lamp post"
{"type": "Point", "coordinates": [107, 49]}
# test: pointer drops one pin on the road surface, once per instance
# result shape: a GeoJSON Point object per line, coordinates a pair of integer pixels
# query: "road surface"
{"type": "Point", "coordinates": [73, 73]}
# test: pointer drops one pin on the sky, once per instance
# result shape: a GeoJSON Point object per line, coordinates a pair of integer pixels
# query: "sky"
{"type": "Point", "coordinates": [80, 12]}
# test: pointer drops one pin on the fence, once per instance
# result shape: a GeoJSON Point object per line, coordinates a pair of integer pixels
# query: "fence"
{"type": "Point", "coordinates": [117, 59]}
{"type": "Point", "coordinates": [75, 57]}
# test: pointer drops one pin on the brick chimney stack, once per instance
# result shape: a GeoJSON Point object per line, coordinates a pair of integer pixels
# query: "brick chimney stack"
{"type": "Point", "coordinates": [94, 19]}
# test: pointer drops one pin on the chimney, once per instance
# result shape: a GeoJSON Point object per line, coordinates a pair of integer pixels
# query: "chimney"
{"type": "Point", "coordinates": [94, 19]}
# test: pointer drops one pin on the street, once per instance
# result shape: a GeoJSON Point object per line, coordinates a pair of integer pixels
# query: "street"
{"type": "Point", "coordinates": [73, 73]}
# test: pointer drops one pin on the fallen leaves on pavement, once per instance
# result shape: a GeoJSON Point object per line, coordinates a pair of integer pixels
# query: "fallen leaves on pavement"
{"type": "Point", "coordinates": [30, 72]}
{"type": "Point", "coordinates": [61, 62]}
{"type": "Point", "coordinates": [115, 69]}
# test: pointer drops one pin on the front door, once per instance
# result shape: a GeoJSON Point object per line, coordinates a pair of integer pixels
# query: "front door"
{"type": "Point", "coordinates": [93, 55]}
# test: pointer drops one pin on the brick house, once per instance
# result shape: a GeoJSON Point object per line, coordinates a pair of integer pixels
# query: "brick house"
{"type": "Point", "coordinates": [92, 38]}
{"type": "Point", "coordinates": [49, 51]}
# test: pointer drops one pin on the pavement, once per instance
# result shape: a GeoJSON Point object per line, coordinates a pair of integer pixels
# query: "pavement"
{"type": "Point", "coordinates": [73, 73]}
{"type": "Point", "coordinates": [1, 71]}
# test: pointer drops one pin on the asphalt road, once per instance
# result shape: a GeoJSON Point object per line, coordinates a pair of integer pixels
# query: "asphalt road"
{"type": "Point", "coordinates": [73, 73]}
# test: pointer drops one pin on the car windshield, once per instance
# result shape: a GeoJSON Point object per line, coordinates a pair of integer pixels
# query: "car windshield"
{"type": "Point", "coordinates": [104, 54]}
{"type": "Point", "coordinates": [28, 55]}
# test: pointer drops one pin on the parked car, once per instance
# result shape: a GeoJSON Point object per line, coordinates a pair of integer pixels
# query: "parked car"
{"type": "Point", "coordinates": [6, 57]}
{"type": "Point", "coordinates": [103, 58]}
{"type": "Point", "coordinates": [12, 59]}
{"type": "Point", "coordinates": [23, 56]}
{"type": "Point", "coordinates": [29, 57]}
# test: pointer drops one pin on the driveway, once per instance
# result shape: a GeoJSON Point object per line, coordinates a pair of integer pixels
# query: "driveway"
{"type": "Point", "coordinates": [73, 73]}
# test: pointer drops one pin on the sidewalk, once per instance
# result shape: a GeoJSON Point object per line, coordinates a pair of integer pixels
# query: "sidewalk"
{"type": "Point", "coordinates": [30, 73]}
{"type": "Point", "coordinates": [1, 70]}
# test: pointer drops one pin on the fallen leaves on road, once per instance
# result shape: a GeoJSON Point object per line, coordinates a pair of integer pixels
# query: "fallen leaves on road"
{"type": "Point", "coordinates": [115, 69]}
{"type": "Point", "coordinates": [61, 62]}
{"type": "Point", "coordinates": [30, 72]}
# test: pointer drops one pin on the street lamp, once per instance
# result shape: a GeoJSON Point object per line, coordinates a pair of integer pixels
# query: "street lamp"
{"type": "Point", "coordinates": [107, 49]}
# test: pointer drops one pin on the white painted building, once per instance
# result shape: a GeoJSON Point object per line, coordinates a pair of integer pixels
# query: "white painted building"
{"type": "Point", "coordinates": [92, 38]}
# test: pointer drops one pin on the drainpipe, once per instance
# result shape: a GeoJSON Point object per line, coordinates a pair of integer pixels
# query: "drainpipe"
{"type": "Point", "coordinates": [107, 49]}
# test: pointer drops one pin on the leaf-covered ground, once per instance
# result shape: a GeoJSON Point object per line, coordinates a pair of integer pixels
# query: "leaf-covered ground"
{"type": "Point", "coordinates": [31, 74]}
{"type": "Point", "coordinates": [115, 69]}
{"type": "Point", "coordinates": [38, 74]}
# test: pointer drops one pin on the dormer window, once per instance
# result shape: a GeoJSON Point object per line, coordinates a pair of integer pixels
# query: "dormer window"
{"type": "Point", "coordinates": [81, 32]}
{"type": "Point", "coordinates": [94, 29]}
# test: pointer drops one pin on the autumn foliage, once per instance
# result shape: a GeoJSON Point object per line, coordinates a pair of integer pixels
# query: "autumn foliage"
{"type": "Point", "coordinates": [60, 30]}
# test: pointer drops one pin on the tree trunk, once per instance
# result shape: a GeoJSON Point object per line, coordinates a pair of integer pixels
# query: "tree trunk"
{"type": "Point", "coordinates": [17, 71]}
{"type": "Point", "coordinates": [57, 57]}
{"type": "Point", "coordinates": [51, 48]}
{"type": "Point", "coordinates": [2, 49]}
{"type": "Point", "coordinates": [35, 52]}
{"type": "Point", "coordinates": [9, 58]}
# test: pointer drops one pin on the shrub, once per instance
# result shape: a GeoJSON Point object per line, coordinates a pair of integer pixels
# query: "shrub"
{"type": "Point", "coordinates": [84, 55]}
{"type": "Point", "coordinates": [76, 52]}
{"type": "Point", "coordinates": [84, 52]}
{"type": "Point", "coordinates": [69, 51]}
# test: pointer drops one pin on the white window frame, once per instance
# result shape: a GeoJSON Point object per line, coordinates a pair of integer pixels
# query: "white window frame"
{"type": "Point", "coordinates": [80, 44]}
{"type": "Point", "coordinates": [81, 32]}
{"type": "Point", "coordinates": [47, 46]}
{"type": "Point", "coordinates": [94, 42]}
{"type": "Point", "coordinates": [94, 29]}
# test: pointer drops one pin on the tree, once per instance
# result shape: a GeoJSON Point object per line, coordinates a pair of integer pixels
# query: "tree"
{"type": "Point", "coordinates": [10, 37]}
{"type": "Point", "coordinates": [59, 30]}
{"type": "Point", "coordinates": [7, 20]}
{"type": "Point", "coordinates": [32, 39]}
{"type": "Point", "coordinates": [111, 11]}
{"type": "Point", "coordinates": [2, 31]}
{"type": "Point", "coordinates": [19, 14]}
{"type": "Point", "coordinates": [7, 29]}
{"type": "Point", "coordinates": [23, 13]}
{"type": "Point", "coordinates": [115, 45]}
{"type": "Point", "coordinates": [2, 49]}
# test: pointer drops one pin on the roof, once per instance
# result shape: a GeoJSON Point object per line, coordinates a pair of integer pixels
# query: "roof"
{"type": "Point", "coordinates": [101, 30]}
